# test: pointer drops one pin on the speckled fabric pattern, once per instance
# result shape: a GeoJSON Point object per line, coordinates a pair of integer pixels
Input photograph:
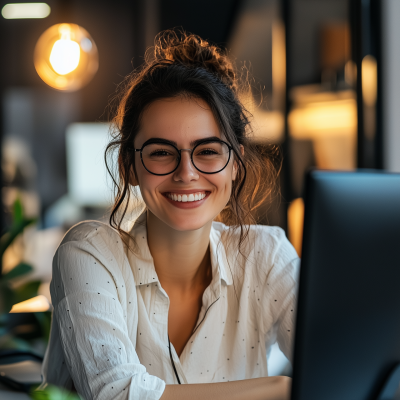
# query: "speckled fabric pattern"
{"type": "Point", "coordinates": [109, 335]}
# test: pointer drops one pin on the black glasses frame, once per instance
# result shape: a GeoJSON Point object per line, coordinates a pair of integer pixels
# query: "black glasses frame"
{"type": "Point", "coordinates": [150, 141]}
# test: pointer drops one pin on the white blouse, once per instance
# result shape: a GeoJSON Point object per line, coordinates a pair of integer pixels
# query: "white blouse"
{"type": "Point", "coordinates": [109, 332]}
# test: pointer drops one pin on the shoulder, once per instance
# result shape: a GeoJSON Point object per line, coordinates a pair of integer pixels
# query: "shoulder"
{"type": "Point", "coordinates": [269, 241]}
{"type": "Point", "coordinates": [87, 230]}
{"type": "Point", "coordinates": [263, 249]}
{"type": "Point", "coordinates": [92, 238]}
{"type": "Point", "coordinates": [90, 252]}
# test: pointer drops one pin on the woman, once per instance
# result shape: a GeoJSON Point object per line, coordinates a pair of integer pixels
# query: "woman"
{"type": "Point", "coordinates": [179, 298]}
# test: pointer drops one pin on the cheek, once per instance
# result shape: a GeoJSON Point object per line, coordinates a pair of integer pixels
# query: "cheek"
{"type": "Point", "coordinates": [145, 179]}
{"type": "Point", "coordinates": [147, 182]}
{"type": "Point", "coordinates": [223, 183]}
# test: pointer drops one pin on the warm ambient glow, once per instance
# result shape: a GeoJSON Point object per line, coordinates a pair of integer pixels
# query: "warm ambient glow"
{"type": "Point", "coordinates": [295, 223]}
{"type": "Point", "coordinates": [267, 126]}
{"type": "Point", "coordinates": [329, 120]}
{"type": "Point", "coordinates": [35, 304]}
{"type": "Point", "coordinates": [319, 119]}
{"type": "Point", "coordinates": [278, 65]}
{"type": "Point", "coordinates": [25, 10]}
{"type": "Point", "coordinates": [369, 80]}
{"type": "Point", "coordinates": [66, 57]}
{"type": "Point", "coordinates": [369, 77]}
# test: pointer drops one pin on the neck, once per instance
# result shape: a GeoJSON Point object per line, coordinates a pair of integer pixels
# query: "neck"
{"type": "Point", "coordinates": [181, 259]}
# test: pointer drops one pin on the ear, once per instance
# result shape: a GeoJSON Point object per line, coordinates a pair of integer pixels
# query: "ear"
{"type": "Point", "coordinates": [236, 165]}
{"type": "Point", "coordinates": [132, 178]}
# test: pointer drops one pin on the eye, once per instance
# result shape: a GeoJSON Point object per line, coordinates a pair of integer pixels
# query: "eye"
{"type": "Point", "coordinates": [207, 152]}
{"type": "Point", "coordinates": [160, 153]}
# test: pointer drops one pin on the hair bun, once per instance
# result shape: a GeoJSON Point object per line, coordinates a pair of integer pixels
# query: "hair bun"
{"type": "Point", "coordinates": [178, 46]}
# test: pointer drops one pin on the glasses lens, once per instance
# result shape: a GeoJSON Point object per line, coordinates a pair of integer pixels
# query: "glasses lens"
{"type": "Point", "coordinates": [160, 158]}
{"type": "Point", "coordinates": [211, 156]}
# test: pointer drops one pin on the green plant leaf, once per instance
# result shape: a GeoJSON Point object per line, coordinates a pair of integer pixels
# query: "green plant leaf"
{"type": "Point", "coordinates": [19, 270]}
{"type": "Point", "coordinates": [16, 229]}
{"type": "Point", "coordinates": [8, 298]}
{"type": "Point", "coordinates": [27, 291]}
{"type": "Point", "coordinates": [53, 393]}
{"type": "Point", "coordinates": [18, 210]}
{"type": "Point", "coordinates": [44, 319]}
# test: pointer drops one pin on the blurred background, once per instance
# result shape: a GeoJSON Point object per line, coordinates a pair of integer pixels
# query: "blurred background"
{"type": "Point", "coordinates": [325, 87]}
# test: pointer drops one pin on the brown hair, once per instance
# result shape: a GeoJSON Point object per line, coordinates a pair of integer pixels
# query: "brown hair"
{"type": "Point", "coordinates": [185, 65]}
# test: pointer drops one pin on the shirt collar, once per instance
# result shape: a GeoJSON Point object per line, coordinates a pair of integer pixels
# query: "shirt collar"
{"type": "Point", "coordinates": [143, 265]}
{"type": "Point", "coordinates": [219, 261]}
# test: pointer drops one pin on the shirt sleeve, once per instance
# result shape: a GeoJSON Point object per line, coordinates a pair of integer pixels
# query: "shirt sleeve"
{"type": "Point", "coordinates": [280, 294]}
{"type": "Point", "coordinates": [98, 350]}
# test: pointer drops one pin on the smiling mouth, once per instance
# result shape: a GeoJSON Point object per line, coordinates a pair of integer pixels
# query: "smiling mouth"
{"type": "Point", "coordinates": [183, 198]}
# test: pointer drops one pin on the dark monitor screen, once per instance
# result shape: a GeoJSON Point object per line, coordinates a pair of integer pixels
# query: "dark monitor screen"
{"type": "Point", "coordinates": [348, 317]}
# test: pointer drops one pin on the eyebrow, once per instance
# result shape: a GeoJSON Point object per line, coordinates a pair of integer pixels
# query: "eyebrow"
{"type": "Point", "coordinates": [193, 143]}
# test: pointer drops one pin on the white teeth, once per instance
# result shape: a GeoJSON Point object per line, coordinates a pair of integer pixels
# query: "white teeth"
{"type": "Point", "coordinates": [187, 198]}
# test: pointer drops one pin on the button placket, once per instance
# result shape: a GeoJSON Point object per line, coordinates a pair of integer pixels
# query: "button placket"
{"type": "Point", "coordinates": [178, 364]}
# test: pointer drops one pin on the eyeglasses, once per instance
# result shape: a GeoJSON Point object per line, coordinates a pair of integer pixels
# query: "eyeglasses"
{"type": "Point", "coordinates": [163, 158]}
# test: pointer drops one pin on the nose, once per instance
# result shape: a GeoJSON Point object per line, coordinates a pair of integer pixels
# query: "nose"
{"type": "Point", "coordinates": [186, 172]}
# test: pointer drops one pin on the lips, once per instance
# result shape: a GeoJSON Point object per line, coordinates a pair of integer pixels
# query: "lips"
{"type": "Point", "coordinates": [186, 198]}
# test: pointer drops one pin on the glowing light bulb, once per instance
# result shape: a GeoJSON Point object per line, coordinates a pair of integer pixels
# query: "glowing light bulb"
{"type": "Point", "coordinates": [65, 54]}
{"type": "Point", "coordinates": [66, 57]}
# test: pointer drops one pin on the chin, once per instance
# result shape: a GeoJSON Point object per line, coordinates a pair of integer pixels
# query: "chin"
{"type": "Point", "coordinates": [187, 223]}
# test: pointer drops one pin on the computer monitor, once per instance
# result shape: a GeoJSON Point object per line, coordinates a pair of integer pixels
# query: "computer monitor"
{"type": "Point", "coordinates": [347, 342]}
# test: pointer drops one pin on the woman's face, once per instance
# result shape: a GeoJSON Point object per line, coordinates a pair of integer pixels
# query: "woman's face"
{"type": "Point", "coordinates": [182, 121]}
